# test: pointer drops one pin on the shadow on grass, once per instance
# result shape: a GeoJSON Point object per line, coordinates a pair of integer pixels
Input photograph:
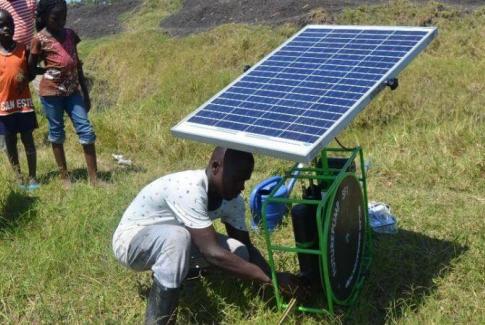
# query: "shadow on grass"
{"type": "Point", "coordinates": [202, 297]}
{"type": "Point", "coordinates": [402, 275]}
{"type": "Point", "coordinates": [16, 211]}
{"type": "Point", "coordinates": [81, 174]}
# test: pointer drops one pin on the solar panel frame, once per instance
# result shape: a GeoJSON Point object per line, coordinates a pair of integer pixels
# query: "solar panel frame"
{"type": "Point", "coordinates": [266, 143]}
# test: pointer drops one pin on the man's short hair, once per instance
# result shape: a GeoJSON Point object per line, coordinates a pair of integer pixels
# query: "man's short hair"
{"type": "Point", "coordinates": [241, 157]}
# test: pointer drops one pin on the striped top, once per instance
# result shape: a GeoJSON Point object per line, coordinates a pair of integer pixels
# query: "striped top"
{"type": "Point", "coordinates": [23, 12]}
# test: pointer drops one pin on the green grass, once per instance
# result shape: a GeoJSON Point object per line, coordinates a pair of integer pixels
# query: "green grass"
{"type": "Point", "coordinates": [425, 141]}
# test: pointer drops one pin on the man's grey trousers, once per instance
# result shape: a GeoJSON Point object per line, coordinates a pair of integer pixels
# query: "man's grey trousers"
{"type": "Point", "coordinates": [167, 250]}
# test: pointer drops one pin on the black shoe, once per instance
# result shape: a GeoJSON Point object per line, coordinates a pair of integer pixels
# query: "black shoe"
{"type": "Point", "coordinates": [161, 305]}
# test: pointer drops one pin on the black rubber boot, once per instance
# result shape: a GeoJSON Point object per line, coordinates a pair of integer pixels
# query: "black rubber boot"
{"type": "Point", "coordinates": [161, 306]}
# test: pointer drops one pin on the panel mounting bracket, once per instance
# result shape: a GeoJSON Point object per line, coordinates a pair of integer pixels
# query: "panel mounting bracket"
{"type": "Point", "coordinates": [392, 83]}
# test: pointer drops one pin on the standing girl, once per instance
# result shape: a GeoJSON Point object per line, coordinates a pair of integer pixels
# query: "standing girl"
{"type": "Point", "coordinates": [16, 109]}
{"type": "Point", "coordinates": [62, 83]}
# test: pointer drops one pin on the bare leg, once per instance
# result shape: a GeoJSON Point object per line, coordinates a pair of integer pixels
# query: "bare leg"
{"type": "Point", "coordinates": [31, 154]}
{"type": "Point", "coordinates": [60, 156]}
{"type": "Point", "coordinates": [90, 156]}
{"type": "Point", "coordinates": [13, 154]}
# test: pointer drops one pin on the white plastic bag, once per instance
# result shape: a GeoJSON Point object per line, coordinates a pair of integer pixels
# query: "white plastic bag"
{"type": "Point", "coordinates": [380, 218]}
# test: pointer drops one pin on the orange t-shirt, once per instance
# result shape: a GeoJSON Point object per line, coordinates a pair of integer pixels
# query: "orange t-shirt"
{"type": "Point", "coordinates": [14, 82]}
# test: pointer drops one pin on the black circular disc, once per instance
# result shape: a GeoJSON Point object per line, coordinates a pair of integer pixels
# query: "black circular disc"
{"type": "Point", "coordinates": [345, 237]}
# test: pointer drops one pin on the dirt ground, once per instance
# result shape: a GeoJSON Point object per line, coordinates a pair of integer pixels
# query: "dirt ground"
{"type": "Point", "coordinates": [198, 15]}
{"type": "Point", "coordinates": [92, 21]}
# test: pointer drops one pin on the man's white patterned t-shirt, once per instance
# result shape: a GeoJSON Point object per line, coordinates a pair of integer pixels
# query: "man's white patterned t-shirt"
{"type": "Point", "coordinates": [180, 199]}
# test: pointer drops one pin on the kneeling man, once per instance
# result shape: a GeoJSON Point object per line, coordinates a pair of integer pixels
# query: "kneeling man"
{"type": "Point", "coordinates": [170, 222]}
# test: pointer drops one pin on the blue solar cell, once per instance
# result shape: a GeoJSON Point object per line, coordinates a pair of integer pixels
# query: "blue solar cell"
{"type": "Point", "coordinates": [292, 76]}
{"type": "Point", "coordinates": [329, 73]}
{"type": "Point", "coordinates": [355, 51]}
{"type": "Point", "coordinates": [246, 84]}
{"type": "Point", "coordinates": [311, 91]}
{"type": "Point", "coordinates": [284, 58]}
{"type": "Point", "coordinates": [211, 114]}
{"type": "Point", "coordinates": [234, 96]}
{"type": "Point", "coordinates": [218, 108]}
{"type": "Point", "coordinates": [360, 41]}
{"type": "Point", "coordinates": [288, 110]}
{"type": "Point", "coordinates": [310, 121]}
{"type": "Point", "coordinates": [306, 65]}
{"type": "Point", "coordinates": [232, 125]}
{"type": "Point", "coordinates": [372, 64]}
{"type": "Point", "coordinates": [296, 48]}
{"type": "Point", "coordinates": [323, 79]}
{"type": "Point", "coordinates": [343, 69]}
{"type": "Point", "coordinates": [276, 63]}
{"type": "Point", "coordinates": [280, 117]}
{"type": "Point", "coordinates": [256, 106]}
{"type": "Point", "coordinates": [337, 101]}
{"type": "Point", "coordinates": [286, 82]}
{"type": "Point", "coordinates": [322, 115]}
{"type": "Point", "coordinates": [350, 89]}
{"type": "Point", "coordinates": [202, 120]}
{"type": "Point", "coordinates": [329, 108]}
{"type": "Point", "coordinates": [294, 103]}
{"type": "Point", "coordinates": [263, 130]}
{"type": "Point", "coordinates": [277, 125]}
{"type": "Point", "coordinates": [400, 43]}
{"type": "Point", "coordinates": [375, 32]}
{"type": "Point", "coordinates": [405, 38]}
{"type": "Point", "coordinates": [268, 68]}
{"type": "Point", "coordinates": [307, 129]}
{"type": "Point", "coordinates": [362, 76]}
{"type": "Point", "coordinates": [309, 84]}
{"type": "Point", "coordinates": [243, 119]}
{"type": "Point", "coordinates": [379, 72]}
{"type": "Point", "coordinates": [264, 100]}
{"type": "Point", "coordinates": [289, 53]}
{"type": "Point", "coordinates": [264, 74]}
{"type": "Point", "coordinates": [248, 112]}
{"type": "Point", "coordinates": [307, 98]}
{"type": "Point", "coordinates": [409, 32]}
{"type": "Point", "coordinates": [342, 94]}
{"type": "Point", "coordinates": [244, 91]}
{"type": "Point", "coordinates": [298, 136]}
{"type": "Point", "coordinates": [318, 51]}
{"type": "Point", "coordinates": [226, 102]}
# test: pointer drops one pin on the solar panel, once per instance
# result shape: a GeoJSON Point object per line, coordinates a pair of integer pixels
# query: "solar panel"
{"type": "Point", "coordinates": [299, 97]}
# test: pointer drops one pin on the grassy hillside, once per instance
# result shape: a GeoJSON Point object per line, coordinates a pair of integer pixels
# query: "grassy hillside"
{"type": "Point", "coordinates": [425, 142]}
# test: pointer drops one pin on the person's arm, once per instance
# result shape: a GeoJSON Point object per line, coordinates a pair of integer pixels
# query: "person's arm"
{"type": "Point", "coordinates": [80, 72]}
{"type": "Point", "coordinates": [287, 282]}
{"type": "Point", "coordinates": [255, 255]}
{"type": "Point", "coordinates": [205, 240]}
{"type": "Point", "coordinates": [32, 64]}
{"type": "Point", "coordinates": [34, 58]}
{"type": "Point", "coordinates": [84, 88]}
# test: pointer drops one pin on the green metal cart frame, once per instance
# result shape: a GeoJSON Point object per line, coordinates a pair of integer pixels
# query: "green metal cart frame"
{"type": "Point", "coordinates": [328, 178]}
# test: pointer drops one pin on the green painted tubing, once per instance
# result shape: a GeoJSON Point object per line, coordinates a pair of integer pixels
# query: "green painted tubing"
{"type": "Point", "coordinates": [322, 206]}
{"type": "Point", "coordinates": [267, 239]}
{"type": "Point", "coordinates": [324, 247]}
{"type": "Point", "coordinates": [304, 245]}
{"type": "Point", "coordinates": [309, 309]}
{"type": "Point", "coordinates": [295, 250]}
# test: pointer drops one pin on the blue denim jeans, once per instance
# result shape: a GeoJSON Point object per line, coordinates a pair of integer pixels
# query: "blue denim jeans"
{"type": "Point", "coordinates": [73, 105]}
